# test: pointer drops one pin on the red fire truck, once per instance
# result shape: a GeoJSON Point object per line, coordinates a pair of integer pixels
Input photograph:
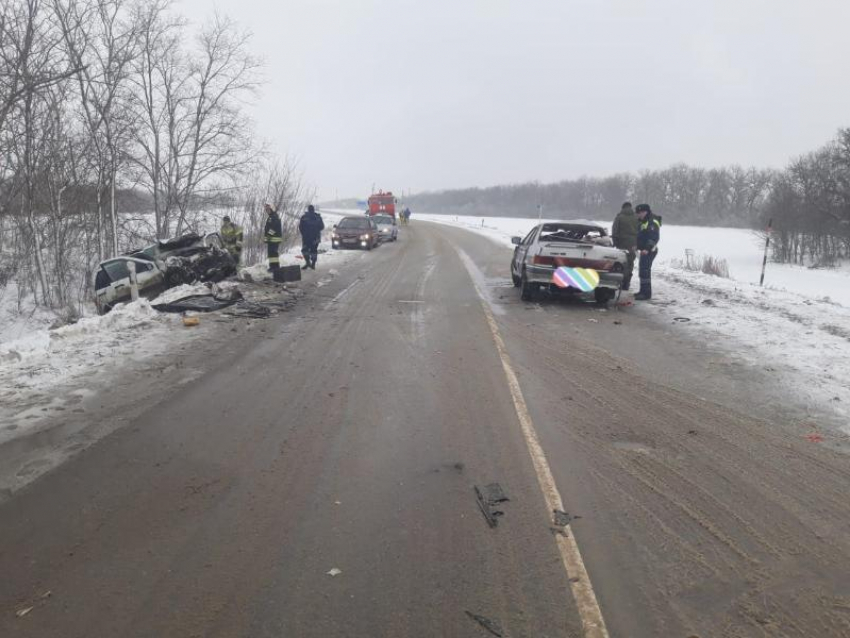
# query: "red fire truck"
{"type": "Point", "coordinates": [382, 203]}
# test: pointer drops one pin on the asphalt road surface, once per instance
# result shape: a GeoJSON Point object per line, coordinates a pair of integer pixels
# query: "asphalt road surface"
{"type": "Point", "coordinates": [318, 480]}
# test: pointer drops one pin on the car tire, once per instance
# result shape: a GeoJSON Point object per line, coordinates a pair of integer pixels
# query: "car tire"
{"type": "Point", "coordinates": [527, 290]}
{"type": "Point", "coordinates": [517, 280]}
{"type": "Point", "coordinates": [603, 296]}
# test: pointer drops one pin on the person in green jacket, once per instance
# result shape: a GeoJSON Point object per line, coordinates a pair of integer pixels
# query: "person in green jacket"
{"type": "Point", "coordinates": [624, 233]}
{"type": "Point", "coordinates": [231, 236]}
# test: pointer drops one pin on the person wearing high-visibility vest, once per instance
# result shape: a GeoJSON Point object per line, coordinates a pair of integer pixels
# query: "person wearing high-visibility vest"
{"type": "Point", "coordinates": [273, 236]}
{"type": "Point", "coordinates": [231, 237]}
{"type": "Point", "coordinates": [649, 234]}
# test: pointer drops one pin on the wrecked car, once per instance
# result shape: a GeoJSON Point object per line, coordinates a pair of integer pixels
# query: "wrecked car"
{"type": "Point", "coordinates": [165, 264]}
{"type": "Point", "coordinates": [573, 244]}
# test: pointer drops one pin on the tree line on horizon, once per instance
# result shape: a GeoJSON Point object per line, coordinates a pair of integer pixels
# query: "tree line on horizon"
{"type": "Point", "coordinates": [808, 202]}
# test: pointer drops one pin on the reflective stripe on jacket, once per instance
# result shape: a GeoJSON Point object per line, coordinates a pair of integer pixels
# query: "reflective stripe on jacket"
{"type": "Point", "coordinates": [231, 236]}
{"type": "Point", "coordinates": [273, 232]}
{"type": "Point", "coordinates": [649, 233]}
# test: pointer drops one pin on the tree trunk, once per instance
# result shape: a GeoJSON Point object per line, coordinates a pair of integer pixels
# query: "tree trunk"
{"type": "Point", "coordinates": [113, 215]}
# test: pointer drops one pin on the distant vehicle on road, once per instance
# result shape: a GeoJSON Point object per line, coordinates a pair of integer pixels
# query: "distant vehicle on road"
{"type": "Point", "coordinates": [382, 203]}
{"type": "Point", "coordinates": [575, 244]}
{"type": "Point", "coordinates": [387, 227]}
{"type": "Point", "coordinates": [355, 232]}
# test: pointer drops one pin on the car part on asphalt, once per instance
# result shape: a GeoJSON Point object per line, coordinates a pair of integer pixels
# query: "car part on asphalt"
{"type": "Point", "coordinates": [489, 497]}
{"type": "Point", "coordinates": [492, 626]}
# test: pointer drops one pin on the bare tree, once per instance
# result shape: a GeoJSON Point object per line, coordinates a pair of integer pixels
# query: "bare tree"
{"type": "Point", "coordinates": [101, 39]}
{"type": "Point", "coordinates": [195, 133]}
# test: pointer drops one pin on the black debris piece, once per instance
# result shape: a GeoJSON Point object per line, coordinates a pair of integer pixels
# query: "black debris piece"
{"type": "Point", "coordinates": [194, 303]}
{"type": "Point", "coordinates": [487, 499]}
{"type": "Point", "coordinates": [494, 494]}
{"type": "Point", "coordinates": [562, 519]}
{"type": "Point", "coordinates": [494, 627]}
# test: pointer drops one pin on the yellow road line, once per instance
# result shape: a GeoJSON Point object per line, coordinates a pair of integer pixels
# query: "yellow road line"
{"type": "Point", "coordinates": [582, 589]}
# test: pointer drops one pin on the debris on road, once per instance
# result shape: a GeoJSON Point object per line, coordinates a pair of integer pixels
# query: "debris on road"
{"type": "Point", "coordinates": [334, 572]}
{"type": "Point", "coordinates": [487, 499]}
{"type": "Point", "coordinates": [258, 301]}
{"type": "Point", "coordinates": [562, 519]}
{"type": "Point", "coordinates": [23, 612]}
{"type": "Point", "coordinates": [191, 321]}
{"type": "Point", "coordinates": [492, 626]}
{"type": "Point", "coordinates": [814, 437]}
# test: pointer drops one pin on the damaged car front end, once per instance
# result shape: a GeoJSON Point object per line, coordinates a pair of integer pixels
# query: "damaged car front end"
{"type": "Point", "coordinates": [184, 260]}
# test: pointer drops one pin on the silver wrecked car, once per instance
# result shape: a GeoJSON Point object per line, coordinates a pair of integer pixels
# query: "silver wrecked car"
{"type": "Point", "coordinates": [576, 244]}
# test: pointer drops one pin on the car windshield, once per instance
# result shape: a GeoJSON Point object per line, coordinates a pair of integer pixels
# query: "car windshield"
{"type": "Point", "coordinates": [570, 232]}
{"type": "Point", "coordinates": [384, 220]}
{"type": "Point", "coordinates": [353, 222]}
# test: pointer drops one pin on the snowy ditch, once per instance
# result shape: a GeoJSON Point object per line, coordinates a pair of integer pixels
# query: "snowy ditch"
{"type": "Point", "coordinates": [797, 327]}
{"type": "Point", "coordinates": [48, 373]}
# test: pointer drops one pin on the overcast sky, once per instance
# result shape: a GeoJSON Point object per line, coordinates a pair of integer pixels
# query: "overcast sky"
{"type": "Point", "coordinates": [431, 94]}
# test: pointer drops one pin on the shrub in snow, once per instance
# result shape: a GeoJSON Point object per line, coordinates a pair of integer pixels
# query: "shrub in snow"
{"type": "Point", "coordinates": [704, 264]}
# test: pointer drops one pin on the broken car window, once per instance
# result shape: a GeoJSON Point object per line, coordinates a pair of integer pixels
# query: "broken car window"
{"type": "Point", "coordinates": [570, 232]}
{"type": "Point", "coordinates": [117, 270]}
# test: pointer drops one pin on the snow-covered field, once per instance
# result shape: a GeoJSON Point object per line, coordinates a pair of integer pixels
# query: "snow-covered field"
{"type": "Point", "coordinates": [45, 370]}
{"type": "Point", "coordinates": [797, 326]}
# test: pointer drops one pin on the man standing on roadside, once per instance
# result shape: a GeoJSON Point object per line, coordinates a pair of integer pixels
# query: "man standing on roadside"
{"type": "Point", "coordinates": [310, 227]}
{"type": "Point", "coordinates": [231, 237]}
{"type": "Point", "coordinates": [649, 233]}
{"type": "Point", "coordinates": [624, 232]}
{"type": "Point", "coordinates": [273, 236]}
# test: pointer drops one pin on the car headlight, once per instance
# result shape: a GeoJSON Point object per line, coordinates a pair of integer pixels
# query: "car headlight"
{"type": "Point", "coordinates": [364, 237]}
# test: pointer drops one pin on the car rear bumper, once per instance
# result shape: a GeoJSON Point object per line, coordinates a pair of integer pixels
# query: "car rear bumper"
{"type": "Point", "coordinates": [543, 275]}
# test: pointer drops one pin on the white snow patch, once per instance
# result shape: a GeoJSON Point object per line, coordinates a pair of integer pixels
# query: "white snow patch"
{"type": "Point", "coordinates": [178, 292]}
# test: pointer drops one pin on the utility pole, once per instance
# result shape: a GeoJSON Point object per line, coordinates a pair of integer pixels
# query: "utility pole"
{"type": "Point", "coordinates": [766, 246]}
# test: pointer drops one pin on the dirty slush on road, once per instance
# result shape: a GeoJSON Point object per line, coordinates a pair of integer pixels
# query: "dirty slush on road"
{"type": "Point", "coordinates": [91, 377]}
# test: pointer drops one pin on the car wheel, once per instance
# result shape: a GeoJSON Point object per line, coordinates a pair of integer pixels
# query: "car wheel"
{"type": "Point", "coordinates": [603, 296]}
{"type": "Point", "coordinates": [527, 289]}
{"type": "Point", "coordinates": [517, 280]}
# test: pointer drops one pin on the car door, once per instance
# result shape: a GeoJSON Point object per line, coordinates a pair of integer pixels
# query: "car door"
{"type": "Point", "coordinates": [376, 233]}
{"type": "Point", "coordinates": [521, 251]}
{"type": "Point", "coordinates": [151, 280]}
{"type": "Point", "coordinates": [112, 284]}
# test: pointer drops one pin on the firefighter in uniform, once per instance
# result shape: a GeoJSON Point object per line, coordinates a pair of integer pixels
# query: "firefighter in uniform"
{"type": "Point", "coordinates": [649, 233]}
{"type": "Point", "coordinates": [231, 237]}
{"type": "Point", "coordinates": [273, 236]}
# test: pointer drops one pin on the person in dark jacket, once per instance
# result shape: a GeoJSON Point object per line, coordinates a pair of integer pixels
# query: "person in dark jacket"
{"type": "Point", "coordinates": [624, 233]}
{"type": "Point", "coordinates": [310, 227]}
{"type": "Point", "coordinates": [649, 234]}
{"type": "Point", "coordinates": [273, 236]}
